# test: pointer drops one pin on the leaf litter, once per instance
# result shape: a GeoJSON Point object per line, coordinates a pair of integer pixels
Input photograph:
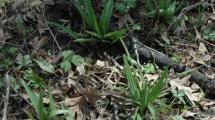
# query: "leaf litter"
{"type": "Point", "coordinates": [96, 89]}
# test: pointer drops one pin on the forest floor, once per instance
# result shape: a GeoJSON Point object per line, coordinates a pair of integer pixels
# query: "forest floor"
{"type": "Point", "coordinates": [93, 85]}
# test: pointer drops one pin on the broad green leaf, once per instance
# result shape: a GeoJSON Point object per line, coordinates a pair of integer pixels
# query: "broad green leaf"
{"type": "Point", "coordinates": [23, 60]}
{"type": "Point", "coordinates": [77, 60]}
{"type": "Point", "coordinates": [46, 66]}
{"type": "Point", "coordinates": [136, 27]}
{"type": "Point", "coordinates": [67, 55]}
{"type": "Point", "coordinates": [121, 7]}
{"type": "Point", "coordinates": [149, 68]}
{"type": "Point", "coordinates": [66, 65]}
{"type": "Point", "coordinates": [172, 7]}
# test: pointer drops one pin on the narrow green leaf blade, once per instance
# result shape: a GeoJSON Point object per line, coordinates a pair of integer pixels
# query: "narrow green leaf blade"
{"type": "Point", "coordinates": [65, 29]}
{"type": "Point", "coordinates": [106, 16]}
{"type": "Point", "coordinates": [155, 90]}
{"type": "Point", "coordinates": [41, 107]}
{"type": "Point", "coordinates": [152, 111]}
{"type": "Point", "coordinates": [33, 97]}
{"type": "Point", "coordinates": [132, 82]}
{"type": "Point", "coordinates": [115, 34]}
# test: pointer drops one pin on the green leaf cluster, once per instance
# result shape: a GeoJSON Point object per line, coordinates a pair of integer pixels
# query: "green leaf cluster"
{"type": "Point", "coordinates": [97, 28]}
{"type": "Point", "coordinates": [6, 56]}
{"type": "Point", "coordinates": [34, 79]}
{"type": "Point", "coordinates": [69, 58]}
{"type": "Point", "coordinates": [142, 92]}
{"type": "Point", "coordinates": [23, 61]}
{"type": "Point", "coordinates": [124, 6]}
{"type": "Point", "coordinates": [42, 113]}
{"type": "Point", "coordinates": [165, 9]}
{"type": "Point", "coordinates": [209, 34]}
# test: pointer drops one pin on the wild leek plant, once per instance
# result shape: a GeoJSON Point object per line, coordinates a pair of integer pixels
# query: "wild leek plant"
{"type": "Point", "coordinates": [142, 92]}
{"type": "Point", "coordinates": [42, 113]}
{"type": "Point", "coordinates": [97, 28]}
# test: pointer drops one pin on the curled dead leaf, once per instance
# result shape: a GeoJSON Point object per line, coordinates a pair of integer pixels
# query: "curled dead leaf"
{"type": "Point", "coordinates": [99, 64]}
{"type": "Point", "coordinates": [69, 102]}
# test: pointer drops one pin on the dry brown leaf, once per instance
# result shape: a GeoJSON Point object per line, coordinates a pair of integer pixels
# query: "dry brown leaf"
{"type": "Point", "coordinates": [2, 37]}
{"type": "Point", "coordinates": [151, 77]}
{"type": "Point", "coordinates": [202, 60]}
{"type": "Point", "coordinates": [56, 92]}
{"type": "Point", "coordinates": [38, 44]}
{"type": "Point", "coordinates": [46, 100]}
{"type": "Point", "coordinates": [99, 64]}
{"type": "Point", "coordinates": [192, 95]}
{"type": "Point", "coordinates": [202, 48]}
{"type": "Point", "coordinates": [188, 114]}
{"type": "Point", "coordinates": [77, 113]}
{"type": "Point", "coordinates": [81, 69]}
{"type": "Point", "coordinates": [69, 102]}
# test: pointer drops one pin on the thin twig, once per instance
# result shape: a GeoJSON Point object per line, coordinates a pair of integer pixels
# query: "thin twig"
{"type": "Point", "coordinates": [7, 81]}
{"type": "Point", "coordinates": [8, 43]}
{"type": "Point", "coordinates": [51, 31]}
{"type": "Point", "coordinates": [208, 43]}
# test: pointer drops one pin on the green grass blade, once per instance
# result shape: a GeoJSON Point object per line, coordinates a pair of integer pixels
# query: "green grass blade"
{"type": "Point", "coordinates": [106, 16]}
{"type": "Point", "coordinates": [152, 111]}
{"type": "Point", "coordinates": [65, 29]}
{"type": "Point", "coordinates": [42, 111]}
{"type": "Point", "coordinates": [117, 34]}
{"type": "Point", "coordinates": [85, 40]}
{"type": "Point", "coordinates": [132, 82]}
{"type": "Point", "coordinates": [94, 34]}
{"type": "Point", "coordinates": [155, 90]}
{"type": "Point", "coordinates": [84, 14]}
{"type": "Point", "coordinates": [149, 5]}
{"type": "Point", "coordinates": [92, 16]}
{"type": "Point", "coordinates": [89, 15]}
{"type": "Point", "coordinates": [33, 97]}
{"type": "Point", "coordinates": [144, 97]}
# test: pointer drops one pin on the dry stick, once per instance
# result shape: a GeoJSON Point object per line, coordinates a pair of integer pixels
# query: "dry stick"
{"type": "Point", "coordinates": [51, 32]}
{"type": "Point", "coordinates": [8, 43]}
{"type": "Point", "coordinates": [208, 43]}
{"type": "Point", "coordinates": [7, 80]}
